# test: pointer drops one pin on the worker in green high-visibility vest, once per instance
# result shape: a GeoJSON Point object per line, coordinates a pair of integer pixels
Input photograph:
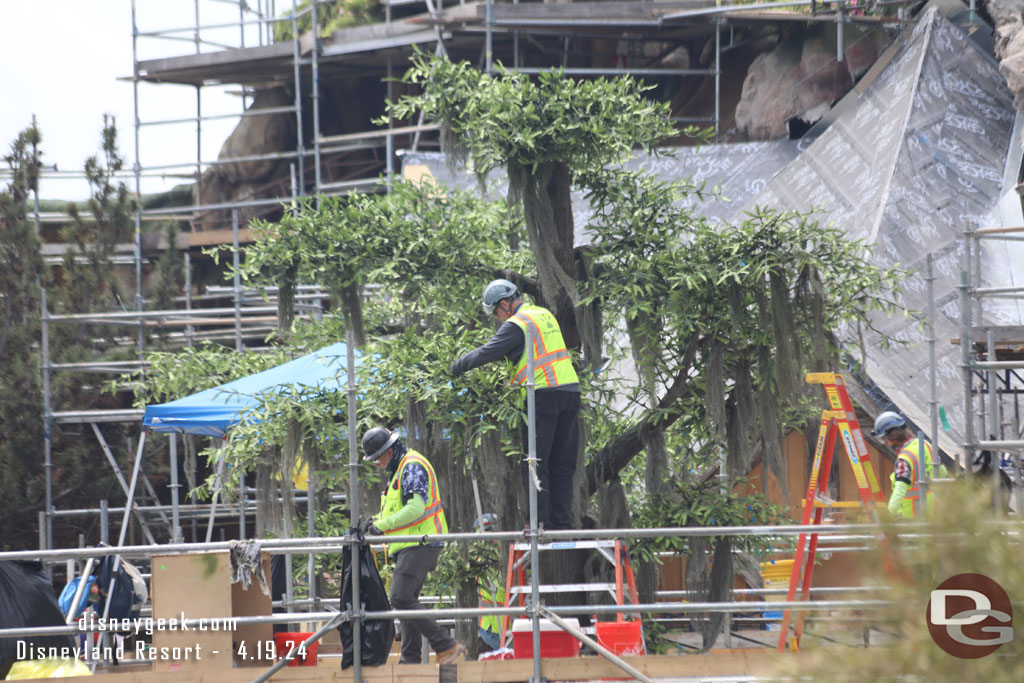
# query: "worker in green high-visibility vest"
{"type": "Point", "coordinates": [557, 393]}
{"type": "Point", "coordinates": [906, 498]}
{"type": "Point", "coordinates": [410, 506]}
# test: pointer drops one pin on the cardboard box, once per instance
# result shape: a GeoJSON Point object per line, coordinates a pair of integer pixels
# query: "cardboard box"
{"type": "Point", "coordinates": [198, 586]}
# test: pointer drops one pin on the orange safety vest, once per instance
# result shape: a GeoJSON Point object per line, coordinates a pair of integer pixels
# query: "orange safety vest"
{"type": "Point", "coordinates": [552, 365]}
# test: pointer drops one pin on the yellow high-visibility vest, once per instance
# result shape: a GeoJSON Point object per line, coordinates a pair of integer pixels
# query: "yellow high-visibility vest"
{"type": "Point", "coordinates": [431, 523]}
{"type": "Point", "coordinates": [491, 622]}
{"type": "Point", "coordinates": [911, 505]}
{"type": "Point", "coordinates": [552, 365]}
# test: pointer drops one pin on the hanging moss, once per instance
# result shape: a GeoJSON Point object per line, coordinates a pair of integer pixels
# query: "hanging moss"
{"type": "Point", "coordinates": [742, 423]}
{"type": "Point", "coordinates": [784, 327]}
{"type": "Point", "coordinates": [715, 390]}
{"type": "Point", "coordinates": [768, 412]}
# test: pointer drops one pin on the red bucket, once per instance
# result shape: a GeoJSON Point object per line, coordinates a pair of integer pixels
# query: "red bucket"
{"type": "Point", "coordinates": [287, 642]}
{"type": "Point", "coordinates": [621, 637]}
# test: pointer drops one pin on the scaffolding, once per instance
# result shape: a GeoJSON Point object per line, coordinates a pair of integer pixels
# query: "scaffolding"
{"type": "Point", "coordinates": [323, 170]}
{"type": "Point", "coordinates": [992, 365]}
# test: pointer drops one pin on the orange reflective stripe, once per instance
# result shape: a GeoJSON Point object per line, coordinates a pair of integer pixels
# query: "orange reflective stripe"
{"type": "Point", "coordinates": [434, 510]}
{"type": "Point", "coordinates": [553, 357]}
{"type": "Point", "coordinates": [537, 338]}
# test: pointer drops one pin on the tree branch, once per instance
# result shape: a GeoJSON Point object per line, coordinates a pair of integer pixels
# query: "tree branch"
{"type": "Point", "coordinates": [610, 460]}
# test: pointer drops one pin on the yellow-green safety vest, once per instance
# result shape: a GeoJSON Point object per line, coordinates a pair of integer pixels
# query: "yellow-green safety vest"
{"type": "Point", "coordinates": [431, 523]}
{"type": "Point", "coordinates": [911, 505]}
{"type": "Point", "coordinates": [552, 365]}
{"type": "Point", "coordinates": [491, 622]}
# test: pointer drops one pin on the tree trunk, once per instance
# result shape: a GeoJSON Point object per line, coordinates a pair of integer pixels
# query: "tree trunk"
{"type": "Point", "coordinates": [547, 210]}
{"type": "Point", "coordinates": [351, 301]}
{"type": "Point", "coordinates": [286, 305]}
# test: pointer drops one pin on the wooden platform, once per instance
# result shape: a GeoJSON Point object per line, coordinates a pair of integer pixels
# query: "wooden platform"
{"type": "Point", "coordinates": [716, 663]}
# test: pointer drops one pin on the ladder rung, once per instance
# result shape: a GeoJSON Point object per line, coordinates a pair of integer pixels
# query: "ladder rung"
{"type": "Point", "coordinates": [818, 503]}
{"type": "Point", "coordinates": [568, 545]}
{"type": "Point", "coordinates": [565, 588]}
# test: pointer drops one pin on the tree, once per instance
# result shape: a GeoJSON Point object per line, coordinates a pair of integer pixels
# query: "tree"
{"type": "Point", "coordinates": [20, 395]}
{"type": "Point", "coordinates": [542, 133]}
{"type": "Point", "coordinates": [711, 311]}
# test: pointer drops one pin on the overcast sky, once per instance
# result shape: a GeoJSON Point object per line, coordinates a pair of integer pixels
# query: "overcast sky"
{"type": "Point", "coordinates": [62, 60]}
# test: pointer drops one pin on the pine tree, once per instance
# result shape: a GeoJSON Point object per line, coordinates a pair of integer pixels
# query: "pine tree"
{"type": "Point", "coordinates": [21, 437]}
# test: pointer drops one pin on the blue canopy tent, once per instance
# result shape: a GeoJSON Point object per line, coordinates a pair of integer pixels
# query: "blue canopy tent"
{"type": "Point", "coordinates": [214, 411]}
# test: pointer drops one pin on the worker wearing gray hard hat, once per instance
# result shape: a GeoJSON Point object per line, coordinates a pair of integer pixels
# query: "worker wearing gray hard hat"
{"type": "Point", "coordinates": [557, 395]}
{"type": "Point", "coordinates": [410, 506]}
{"type": "Point", "coordinates": [905, 500]}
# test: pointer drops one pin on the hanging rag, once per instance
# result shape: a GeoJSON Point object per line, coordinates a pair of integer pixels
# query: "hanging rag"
{"type": "Point", "coordinates": [246, 561]}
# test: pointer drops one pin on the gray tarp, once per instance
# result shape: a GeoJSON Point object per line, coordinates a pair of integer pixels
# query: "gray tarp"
{"type": "Point", "coordinates": [918, 160]}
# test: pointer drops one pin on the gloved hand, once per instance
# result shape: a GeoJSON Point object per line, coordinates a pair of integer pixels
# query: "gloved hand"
{"type": "Point", "coordinates": [455, 369]}
{"type": "Point", "coordinates": [370, 528]}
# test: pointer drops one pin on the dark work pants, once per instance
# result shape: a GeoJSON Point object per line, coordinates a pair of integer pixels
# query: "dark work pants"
{"type": "Point", "coordinates": [411, 568]}
{"type": "Point", "coordinates": [558, 439]}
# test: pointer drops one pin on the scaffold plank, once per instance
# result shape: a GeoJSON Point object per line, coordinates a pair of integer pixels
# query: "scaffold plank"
{"type": "Point", "coordinates": [672, 667]}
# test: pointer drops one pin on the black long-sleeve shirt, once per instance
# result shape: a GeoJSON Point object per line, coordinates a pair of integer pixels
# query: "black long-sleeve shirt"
{"type": "Point", "coordinates": [507, 343]}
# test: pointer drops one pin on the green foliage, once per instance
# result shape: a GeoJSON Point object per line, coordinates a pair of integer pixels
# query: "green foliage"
{"type": "Point", "coordinates": [21, 436]}
{"type": "Point", "coordinates": [89, 281]}
{"type": "Point", "coordinates": [762, 296]}
{"type": "Point", "coordinates": [173, 375]}
{"type": "Point", "coordinates": [466, 565]}
{"type": "Point", "coordinates": [330, 17]}
{"type": "Point", "coordinates": [689, 503]}
{"type": "Point", "coordinates": [511, 119]}
{"type": "Point", "coordinates": [960, 537]}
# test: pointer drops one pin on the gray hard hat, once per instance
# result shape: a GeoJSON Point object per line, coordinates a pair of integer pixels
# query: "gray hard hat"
{"type": "Point", "coordinates": [497, 291]}
{"type": "Point", "coordinates": [376, 441]}
{"type": "Point", "coordinates": [886, 421]}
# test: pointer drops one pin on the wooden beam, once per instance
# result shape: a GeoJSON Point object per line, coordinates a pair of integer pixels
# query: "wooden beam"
{"type": "Point", "coordinates": [725, 663]}
{"type": "Point", "coordinates": [209, 238]}
{"type": "Point", "coordinates": [715, 663]}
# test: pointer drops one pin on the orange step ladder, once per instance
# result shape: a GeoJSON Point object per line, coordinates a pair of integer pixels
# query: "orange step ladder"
{"type": "Point", "coordinates": [517, 583]}
{"type": "Point", "coordinates": [838, 422]}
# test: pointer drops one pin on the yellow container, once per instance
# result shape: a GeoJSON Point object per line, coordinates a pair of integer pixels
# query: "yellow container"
{"type": "Point", "coordinates": [776, 574]}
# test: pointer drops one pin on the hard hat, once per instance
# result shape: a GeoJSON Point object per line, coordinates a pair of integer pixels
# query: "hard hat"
{"type": "Point", "coordinates": [487, 522]}
{"type": "Point", "coordinates": [495, 292]}
{"type": "Point", "coordinates": [376, 441]}
{"type": "Point", "coordinates": [886, 421]}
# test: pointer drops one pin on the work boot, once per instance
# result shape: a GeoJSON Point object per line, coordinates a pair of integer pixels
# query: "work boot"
{"type": "Point", "coordinates": [451, 654]}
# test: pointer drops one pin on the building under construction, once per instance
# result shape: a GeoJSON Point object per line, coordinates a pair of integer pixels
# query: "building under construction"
{"type": "Point", "coordinates": [921, 160]}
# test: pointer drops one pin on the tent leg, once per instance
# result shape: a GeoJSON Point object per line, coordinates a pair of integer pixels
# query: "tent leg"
{"type": "Point", "coordinates": [216, 493]}
{"type": "Point", "coordinates": [131, 489]}
{"type": "Point", "coordinates": [120, 539]}
{"type": "Point", "coordinates": [176, 536]}
{"type": "Point", "coordinates": [120, 479]}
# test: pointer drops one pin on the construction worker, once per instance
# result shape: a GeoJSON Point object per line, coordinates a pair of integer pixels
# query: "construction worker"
{"type": "Point", "coordinates": [557, 396]}
{"type": "Point", "coordinates": [410, 505]}
{"type": "Point", "coordinates": [905, 500]}
{"type": "Point", "coordinates": [491, 594]}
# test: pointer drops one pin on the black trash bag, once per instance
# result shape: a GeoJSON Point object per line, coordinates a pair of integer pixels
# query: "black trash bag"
{"type": "Point", "coordinates": [123, 598]}
{"type": "Point", "coordinates": [278, 586]}
{"type": "Point", "coordinates": [377, 635]}
{"type": "Point", "coordinates": [27, 600]}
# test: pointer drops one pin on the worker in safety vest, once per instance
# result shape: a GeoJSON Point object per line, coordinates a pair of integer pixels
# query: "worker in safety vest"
{"type": "Point", "coordinates": [557, 396]}
{"type": "Point", "coordinates": [905, 500]}
{"type": "Point", "coordinates": [491, 594]}
{"type": "Point", "coordinates": [410, 506]}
